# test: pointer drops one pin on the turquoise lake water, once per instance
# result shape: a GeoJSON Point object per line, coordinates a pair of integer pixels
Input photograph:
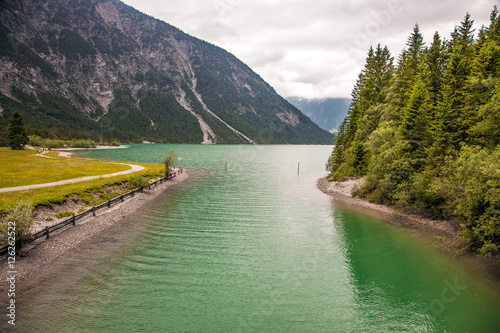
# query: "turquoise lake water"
{"type": "Point", "coordinates": [261, 249]}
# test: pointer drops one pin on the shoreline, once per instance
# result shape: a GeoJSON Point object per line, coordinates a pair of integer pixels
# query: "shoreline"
{"type": "Point", "coordinates": [341, 191]}
{"type": "Point", "coordinates": [424, 228]}
{"type": "Point", "coordinates": [38, 257]}
{"type": "Point", "coordinates": [67, 152]}
{"type": "Point", "coordinates": [96, 147]}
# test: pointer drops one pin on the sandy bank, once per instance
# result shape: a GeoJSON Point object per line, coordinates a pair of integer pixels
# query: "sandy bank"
{"type": "Point", "coordinates": [43, 253]}
{"type": "Point", "coordinates": [341, 191]}
{"type": "Point", "coordinates": [66, 152]}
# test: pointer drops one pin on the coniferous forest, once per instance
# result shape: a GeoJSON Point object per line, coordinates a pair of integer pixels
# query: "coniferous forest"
{"type": "Point", "coordinates": [424, 130]}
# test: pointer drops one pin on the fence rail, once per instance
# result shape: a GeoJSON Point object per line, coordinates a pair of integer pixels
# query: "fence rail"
{"type": "Point", "coordinates": [72, 220]}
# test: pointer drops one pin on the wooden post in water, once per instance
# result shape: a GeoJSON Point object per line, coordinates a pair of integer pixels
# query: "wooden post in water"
{"type": "Point", "coordinates": [298, 168]}
{"type": "Point", "coordinates": [226, 168]}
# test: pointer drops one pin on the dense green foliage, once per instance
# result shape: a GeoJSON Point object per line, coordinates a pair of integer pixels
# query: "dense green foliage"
{"type": "Point", "coordinates": [37, 141]}
{"type": "Point", "coordinates": [18, 137]}
{"type": "Point", "coordinates": [425, 132]}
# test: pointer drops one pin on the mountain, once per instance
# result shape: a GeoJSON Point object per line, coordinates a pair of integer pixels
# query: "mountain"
{"type": "Point", "coordinates": [327, 113]}
{"type": "Point", "coordinates": [102, 68]}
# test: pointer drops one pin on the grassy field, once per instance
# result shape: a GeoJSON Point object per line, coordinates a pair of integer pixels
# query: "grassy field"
{"type": "Point", "coordinates": [21, 168]}
{"type": "Point", "coordinates": [25, 167]}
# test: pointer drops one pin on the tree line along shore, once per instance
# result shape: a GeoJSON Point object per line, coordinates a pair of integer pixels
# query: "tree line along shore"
{"type": "Point", "coordinates": [424, 131]}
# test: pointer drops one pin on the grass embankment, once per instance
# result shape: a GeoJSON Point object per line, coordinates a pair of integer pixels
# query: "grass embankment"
{"type": "Point", "coordinates": [22, 168]}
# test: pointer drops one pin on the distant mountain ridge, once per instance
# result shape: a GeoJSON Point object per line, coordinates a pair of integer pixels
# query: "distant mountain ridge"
{"type": "Point", "coordinates": [102, 68]}
{"type": "Point", "coordinates": [327, 113]}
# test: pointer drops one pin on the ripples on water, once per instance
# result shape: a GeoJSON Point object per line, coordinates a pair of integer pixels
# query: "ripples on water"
{"type": "Point", "coordinates": [261, 249]}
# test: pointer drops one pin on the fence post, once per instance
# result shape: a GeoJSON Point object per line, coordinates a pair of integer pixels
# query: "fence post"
{"type": "Point", "coordinates": [93, 210]}
{"type": "Point", "coordinates": [109, 203]}
{"type": "Point", "coordinates": [74, 220]}
{"type": "Point", "coordinates": [47, 233]}
{"type": "Point", "coordinates": [121, 197]}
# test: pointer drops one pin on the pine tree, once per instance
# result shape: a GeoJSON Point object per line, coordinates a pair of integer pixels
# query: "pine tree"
{"type": "Point", "coordinates": [17, 133]}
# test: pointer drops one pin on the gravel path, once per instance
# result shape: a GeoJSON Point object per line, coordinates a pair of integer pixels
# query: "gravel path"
{"type": "Point", "coordinates": [133, 168]}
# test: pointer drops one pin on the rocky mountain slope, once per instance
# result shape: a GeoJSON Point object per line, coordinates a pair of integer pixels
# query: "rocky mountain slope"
{"type": "Point", "coordinates": [328, 113]}
{"type": "Point", "coordinates": [102, 68]}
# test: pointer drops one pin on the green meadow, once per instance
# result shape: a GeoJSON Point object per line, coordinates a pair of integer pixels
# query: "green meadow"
{"type": "Point", "coordinates": [26, 168]}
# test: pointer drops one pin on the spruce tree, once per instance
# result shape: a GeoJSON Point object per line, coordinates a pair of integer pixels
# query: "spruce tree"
{"type": "Point", "coordinates": [456, 115]}
{"type": "Point", "coordinates": [436, 58]}
{"type": "Point", "coordinates": [370, 90]}
{"type": "Point", "coordinates": [408, 63]}
{"type": "Point", "coordinates": [18, 137]}
{"type": "Point", "coordinates": [493, 30]}
{"type": "Point", "coordinates": [414, 110]}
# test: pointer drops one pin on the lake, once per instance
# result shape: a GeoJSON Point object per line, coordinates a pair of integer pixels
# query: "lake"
{"type": "Point", "coordinates": [260, 248]}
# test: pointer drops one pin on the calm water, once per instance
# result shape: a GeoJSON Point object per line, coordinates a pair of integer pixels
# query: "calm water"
{"type": "Point", "coordinates": [261, 249]}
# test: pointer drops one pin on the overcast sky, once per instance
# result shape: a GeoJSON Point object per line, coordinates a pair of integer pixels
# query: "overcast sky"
{"type": "Point", "coordinates": [312, 48]}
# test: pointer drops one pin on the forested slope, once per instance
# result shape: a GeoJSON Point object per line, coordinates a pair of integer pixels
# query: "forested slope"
{"type": "Point", "coordinates": [424, 131]}
{"type": "Point", "coordinates": [99, 68]}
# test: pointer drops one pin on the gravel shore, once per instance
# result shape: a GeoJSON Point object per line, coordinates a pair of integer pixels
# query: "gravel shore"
{"type": "Point", "coordinates": [40, 254]}
{"type": "Point", "coordinates": [341, 191]}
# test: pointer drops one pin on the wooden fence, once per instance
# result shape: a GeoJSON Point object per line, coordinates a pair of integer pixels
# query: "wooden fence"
{"type": "Point", "coordinates": [72, 220]}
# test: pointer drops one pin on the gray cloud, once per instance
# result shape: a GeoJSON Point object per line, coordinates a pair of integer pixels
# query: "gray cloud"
{"type": "Point", "coordinates": [314, 48]}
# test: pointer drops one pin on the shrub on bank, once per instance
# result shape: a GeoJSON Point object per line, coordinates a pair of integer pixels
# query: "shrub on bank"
{"type": "Point", "coordinates": [138, 181]}
{"type": "Point", "coordinates": [15, 227]}
{"type": "Point", "coordinates": [37, 141]}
